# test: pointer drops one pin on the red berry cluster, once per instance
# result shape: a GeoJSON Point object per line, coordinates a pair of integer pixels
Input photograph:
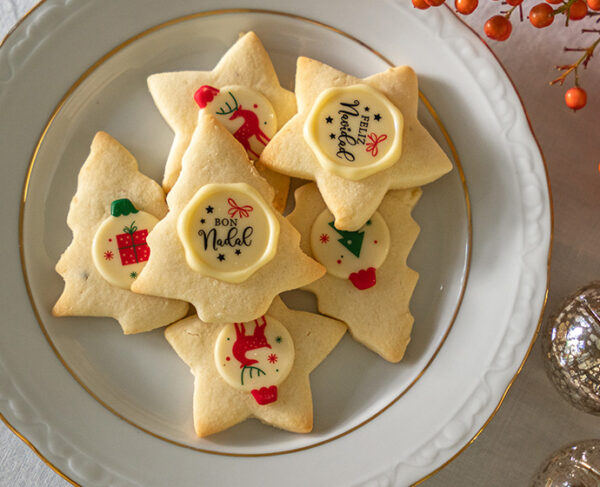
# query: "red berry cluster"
{"type": "Point", "coordinates": [499, 28]}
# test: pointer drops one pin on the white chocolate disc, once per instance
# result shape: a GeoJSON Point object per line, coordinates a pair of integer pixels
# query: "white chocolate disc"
{"type": "Point", "coordinates": [119, 248]}
{"type": "Point", "coordinates": [354, 131]}
{"type": "Point", "coordinates": [254, 354]}
{"type": "Point", "coordinates": [246, 113]}
{"type": "Point", "coordinates": [344, 253]}
{"type": "Point", "coordinates": [228, 231]}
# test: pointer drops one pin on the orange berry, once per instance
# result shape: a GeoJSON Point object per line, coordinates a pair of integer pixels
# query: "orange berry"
{"type": "Point", "coordinates": [435, 3]}
{"type": "Point", "coordinates": [420, 4]}
{"type": "Point", "coordinates": [578, 10]}
{"type": "Point", "coordinates": [575, 98]}
{"type": "Point", "coordinates": [498, 28]}
{"type": "Point", "coordinates": [554, 2]}
{"type": "Point", "coordinates": [541, 15]}
{"type": "Point", "coordinates": [514, 3]}
{"type": "Point", "coordinates": [594, 4]}
{"type": "Point", "coordinates": [466, 7]}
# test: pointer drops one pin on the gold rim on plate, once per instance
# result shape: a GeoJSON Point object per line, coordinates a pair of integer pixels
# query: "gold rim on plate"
{"type": "Point", "coordinates": [119, 48]}
{"type": "Point", "coordinates": [438, 122]}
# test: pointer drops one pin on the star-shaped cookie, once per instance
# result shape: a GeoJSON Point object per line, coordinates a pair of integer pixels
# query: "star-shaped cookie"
{"type": "Point", "coordinates": [368, 284]}
{"type": "Point", "coordinates": [350, 126]}
{"type": "Point", "coordinates": [222, 247]}
{"type": "Point", "coordinates": [178, 98]}
{"type": "Point", "coordinates": [218, 404]}
{"type": "Point", "coordinates": [110, 174]}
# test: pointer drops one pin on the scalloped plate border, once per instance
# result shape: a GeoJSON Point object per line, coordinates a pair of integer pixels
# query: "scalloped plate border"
{"type": "Point", "coordinates": [539, 321]}
{"type": "Point", "coordinates": [520, 305]}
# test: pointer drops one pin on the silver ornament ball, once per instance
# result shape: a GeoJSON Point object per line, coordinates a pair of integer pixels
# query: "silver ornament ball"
{"type": "Point", "coordinates": [571, 346]}
{"type": "Point", "coordinates": [576, 465]}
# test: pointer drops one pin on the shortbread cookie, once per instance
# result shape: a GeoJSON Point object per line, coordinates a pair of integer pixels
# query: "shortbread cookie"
{"type": "Point", "coordinates": [113, 210]}
{"type": "Point", "coordinates": [258, 369]}
{"type": "Point", "coordinates": [357, 138]}
{"type": "Point", "coordinates": [242, 92]}
{"type": "Point", "coordinates": [222, 247]}
{"type": "Point", "coordinates": [368, 284]}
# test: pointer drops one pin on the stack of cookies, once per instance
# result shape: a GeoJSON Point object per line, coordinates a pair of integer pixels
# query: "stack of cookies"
{"type": "Point", "coordinates": [218, 240]}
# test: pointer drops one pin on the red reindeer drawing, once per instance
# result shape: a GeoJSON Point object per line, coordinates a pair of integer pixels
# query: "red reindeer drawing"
{"type": "Point", "coordinates": [244, 343]}
{"type": "Point", "coordinates": [248, 129]}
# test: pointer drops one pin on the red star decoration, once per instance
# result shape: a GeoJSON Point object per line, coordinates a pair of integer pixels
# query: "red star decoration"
{"type": "Point", "coordinates": [108, 255]}
{"type": "Point", "coordinates": [324, 238]}
{"type": "Point", "coordinates": [272, 358]}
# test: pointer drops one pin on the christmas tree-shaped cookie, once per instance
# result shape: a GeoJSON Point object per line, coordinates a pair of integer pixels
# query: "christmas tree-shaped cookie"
{"type": "Point", "coordinates": [357, 138]}
{"type": "Point", "coordinates": [256, 369]}
{"type": "Point", "coordinates": [113, 210]}
{"type": "Point", "coordinates": [368, 284]}
{"type": "Point", "coordinates": [242, 92]}
{"type": "Point", "coordinates": [223, 247]}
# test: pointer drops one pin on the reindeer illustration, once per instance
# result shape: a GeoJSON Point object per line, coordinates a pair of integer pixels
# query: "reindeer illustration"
{"type": "Point", "coordinates": [244, 343]}
{"type": "Point", "coordinates": [248, 129]}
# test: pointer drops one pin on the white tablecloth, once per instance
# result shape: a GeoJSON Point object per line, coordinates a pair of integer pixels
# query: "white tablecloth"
{"type": "Point", "coordinates": [533, 420]}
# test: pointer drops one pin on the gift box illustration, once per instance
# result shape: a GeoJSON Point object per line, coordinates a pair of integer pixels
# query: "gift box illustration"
{"type": "Point", "coordinates": [125, 231]}
{"type": "Point", "coordinates": [132, 245]}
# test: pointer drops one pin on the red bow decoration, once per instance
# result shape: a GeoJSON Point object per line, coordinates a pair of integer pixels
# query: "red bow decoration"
{"type": "Point", "coordinates": [243, 211]}
{"type": "Point", "coordinates": [375, 140]}
{"type": "Point", "coordinates": [205, 94]}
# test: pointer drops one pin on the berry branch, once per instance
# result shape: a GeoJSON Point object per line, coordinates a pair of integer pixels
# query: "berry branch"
{"type": "Point", "coordinates": [499, 28]}
{"type": "Point", "coordinates": [576, 97]}
{"type": "Point", "coordinates": [588, 52]}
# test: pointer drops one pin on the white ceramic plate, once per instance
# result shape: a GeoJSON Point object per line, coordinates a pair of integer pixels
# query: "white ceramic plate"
{"type": "Point", "coordinates": [106, 409]}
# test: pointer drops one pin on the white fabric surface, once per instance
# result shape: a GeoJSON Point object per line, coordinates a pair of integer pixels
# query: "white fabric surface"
{"type": "Point", "coordinates": [533, 420]}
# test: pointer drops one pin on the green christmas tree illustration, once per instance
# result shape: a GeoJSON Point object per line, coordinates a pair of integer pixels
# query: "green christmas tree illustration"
{"type": "Point", "coordinates": [351, 240]}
